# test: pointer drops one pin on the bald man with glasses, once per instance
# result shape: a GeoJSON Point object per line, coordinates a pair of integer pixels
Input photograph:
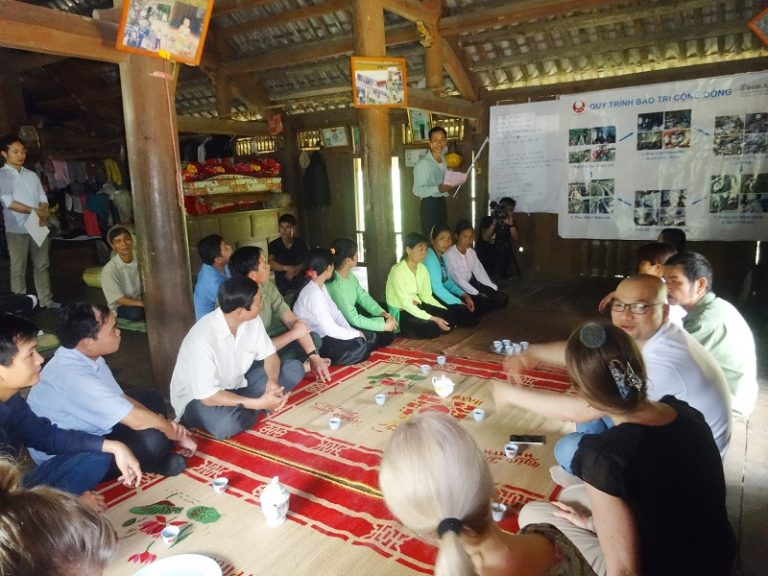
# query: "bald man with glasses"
{"type": "Point", "coordinates": [677, 365]}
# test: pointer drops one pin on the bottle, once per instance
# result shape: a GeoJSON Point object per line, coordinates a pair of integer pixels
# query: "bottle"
{"type": "Point", "coordinates": [274, 502]}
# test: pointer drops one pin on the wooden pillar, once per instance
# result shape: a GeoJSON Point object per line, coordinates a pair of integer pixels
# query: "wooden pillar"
{"type": "Point", "coordinates": [224, 96]}
{"type": "Point", "coordinates": [433, 63]}
{"type": "Point", "coordinates": [153, 156]}
{"type": "Point", "coordinates": [376, 154]}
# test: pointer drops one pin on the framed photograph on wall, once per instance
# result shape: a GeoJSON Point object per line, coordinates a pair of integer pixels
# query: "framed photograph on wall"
{"type": "Point", "coordinates": [170, 29]}
{"type": "Point", "coordinates": [335, 137]}
{"type": "Point", "coordinates": [378, 82]}
{"type": "Point", "coordinates": [420, 122]}
{"type": "Point", "coordinates": [759, 25]}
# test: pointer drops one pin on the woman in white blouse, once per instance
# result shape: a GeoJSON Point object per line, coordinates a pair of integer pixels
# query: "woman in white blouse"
{"type": "Point", "coordinates": [467, 271]}
{"type": "Point", "coordinates": [342, 343]}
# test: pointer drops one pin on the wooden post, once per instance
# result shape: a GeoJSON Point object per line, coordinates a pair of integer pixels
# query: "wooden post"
{"type": "Point", "coordinates": [153, 156]}
{"type": "Point", "coordinates": [433, 64]}
{"type": "Point", "coordinates": [376, 155]}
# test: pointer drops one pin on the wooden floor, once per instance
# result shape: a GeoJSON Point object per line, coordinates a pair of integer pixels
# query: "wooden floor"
{"type": "Point", "coordinates": [538, 312]}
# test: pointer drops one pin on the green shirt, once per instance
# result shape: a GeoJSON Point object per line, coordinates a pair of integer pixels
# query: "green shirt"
{"type": "Point", "coordinates": [272, 308]}
{"type": "Point", "coordinates": [348, 294]}
{"type": "Point", "coordinates": [404, 287]}
{"type": "Point", "coordinates": [719, 328]}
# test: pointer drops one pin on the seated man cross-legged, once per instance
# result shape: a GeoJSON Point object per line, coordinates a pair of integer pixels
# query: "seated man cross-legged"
{"type": "Point", "coordinates": [216, 384]}
{"type": "Point", "coordinates": [215, 253]}
{"type": "Point", "coordinates": [120, 278]}
{"type": "Point", "coordinates": [77, 391]}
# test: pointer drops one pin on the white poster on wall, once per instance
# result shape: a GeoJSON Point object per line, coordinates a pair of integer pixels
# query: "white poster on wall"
{"type": "Point", "coordinates": [692, 155]}
{"type": "Point", "coordinates": [526, 156]}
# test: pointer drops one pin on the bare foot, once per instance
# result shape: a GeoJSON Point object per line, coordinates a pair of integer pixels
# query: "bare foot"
{"type": "Point", "coordinates": [93, 501]}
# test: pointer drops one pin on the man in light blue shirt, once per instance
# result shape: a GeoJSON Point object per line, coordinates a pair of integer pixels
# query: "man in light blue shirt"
{"type": "Point", "coordinates": [428, 177]}
{"type": "Point", "coordinates": [214, 253]}
{"type": "Point", "coordinates": [77, 391]}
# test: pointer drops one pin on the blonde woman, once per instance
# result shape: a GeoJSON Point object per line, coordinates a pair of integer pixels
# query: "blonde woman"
{"type": "Point", "coordinates": [46, 531]}
{"type": "Point", "coordinates": [437, 482]}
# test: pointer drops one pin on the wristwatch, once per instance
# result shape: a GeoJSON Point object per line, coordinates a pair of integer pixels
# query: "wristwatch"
{"type": "Point", "coordinates": [313, 352]}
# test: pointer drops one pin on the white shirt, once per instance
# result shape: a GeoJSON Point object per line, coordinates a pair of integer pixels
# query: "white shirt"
{"type": "Point", "coordinates": [23, 187]}
{"type": "Point", "coordinates": [315, 306]}
{"type": "Point", "coordinates": [462, 267]}
{"type": "Point", "coordinates": [120, 279]}
{"type": "Point", "coordinates": [212, 359]}
{"type": "Point", "coordinates": [678, 365]}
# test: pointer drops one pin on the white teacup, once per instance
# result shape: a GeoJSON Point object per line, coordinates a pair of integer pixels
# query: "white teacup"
{"type": "Point", "coordinates": [334, 423]}
{"type": "Point", "coordinates": [443, 385]}
{"type": "Point", "coordinates": [506, 342]}
{"type": "Point", "coordinates": [220, 484]}
{"type": "Point", "coordinates": [524, 345]}
{"type": "Point", "coordinates": [381, 399]}
{"type": "Point", "coordinates": [478, 414]}
{"type": "Point", "coordinates": [498, 345]}
{"type": "Point", "coordinates": [497, 511]}
{"type": "Point", "coordinates": [170, 533]}
{"type": "Point", "coordinates": [441, 360]}
{"type": "Point", "coordinates": [509, 350]}
{"type": "Point", "coordinates": [424, 369]}
{"type": "Point", "coordinates": [511, 449]}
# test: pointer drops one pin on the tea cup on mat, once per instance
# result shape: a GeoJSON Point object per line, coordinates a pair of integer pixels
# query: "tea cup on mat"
{"type": "Point", "coordinates": [478, 414]}
{"type": "Point", "coordinates": [524, 345]}
{"type": "Point", "coordinates": [334, 423]}
{"type": "Point", "coordinates": [441, 360]}
{"type": "Point", "coordinates": [506, 342]}
{"type": "Point", "coordinates": [380, 399]}
{"type": "Point", "coordinates": [220, 484]}
{"type": "Point", "coordinates": [170, 533]}
{"type": "Point", "coordinates": [424, 369]}
{"type": "Point", "coordinates": [498, 345]}
{"type": "Point", "coordinates": [497, 511]}
{"type": "Point", "coordinates": [511, 449]}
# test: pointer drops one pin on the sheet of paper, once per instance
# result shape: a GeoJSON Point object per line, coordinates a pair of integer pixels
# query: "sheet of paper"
{"type": "Point", "coordinates": [37, 232]}
{"type": "Point", "coordinates": [454, 178]}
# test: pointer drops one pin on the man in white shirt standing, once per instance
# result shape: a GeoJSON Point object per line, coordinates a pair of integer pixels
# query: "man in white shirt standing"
{"type": "Point", "coordinates": [428, 176]}
{"type": "Point", "coordinates": [23, 197]}
{"type": "Point", "coordinates": [215, 385]}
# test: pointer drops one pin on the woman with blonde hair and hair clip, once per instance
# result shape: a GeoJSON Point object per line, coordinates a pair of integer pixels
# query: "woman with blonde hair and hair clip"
{"type": "Point", "coordinates": [654, 480]}
{"type": "Point", "coordinates": [46, 531]}
{"type": "Point", "coordinates": [438, 483]}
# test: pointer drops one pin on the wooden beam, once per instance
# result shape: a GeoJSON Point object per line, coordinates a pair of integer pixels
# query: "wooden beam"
{"type": "Point", "coordinates": [426, 100]}
{"type": "Point", "coordinates": [224, 97]}
{"type": "Point", "coordinates": [286, 17]}
{"type": "Point", "coordinates": [411, 10]}
{"type": "Point", "coordinates": [506, 13]}
{"type": "Point", "coordinates": [224, 7]}
{"type": "Point", "coordinates": [253, 94]}
{"type": "Point", "coordinates": [195, 125]}
{"type": "Point", "coordinates": [433, 64]}
{"type": "Point", "coordinates": [524, 94]}
{"type": "Point", "coordinates": [35, 29]}
{"type": "Point", "coordinates": [457, 65]}
{"type": "Point", "coordinates": [312, 52]}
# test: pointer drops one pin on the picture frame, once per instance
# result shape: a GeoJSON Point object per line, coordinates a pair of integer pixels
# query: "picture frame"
{"type": "Point", "coordinates": [170, 29]}
{"type": "Point", "coordinates": [759, 25]}
{"type": "Point", "coordinates": [419, 123]}
{"type": "Point", "coordinates": [335, 137]}
{"type": "Point", "coordinates": [379, 82]}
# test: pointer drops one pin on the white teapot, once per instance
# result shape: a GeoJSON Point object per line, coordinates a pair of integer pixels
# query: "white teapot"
{"type": "Point", "coordinates": [443, 385]}
{"type": "Point", "coordinates": [274, 502]}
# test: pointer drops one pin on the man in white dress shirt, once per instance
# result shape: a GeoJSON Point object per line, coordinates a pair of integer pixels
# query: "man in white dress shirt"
{"type": "Point", "coordinates": [215, 385]}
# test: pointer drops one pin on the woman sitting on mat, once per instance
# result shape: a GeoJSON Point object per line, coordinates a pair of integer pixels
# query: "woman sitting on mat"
{"type": "Point", "coordinates": [438, 483]}
{"type": "Point", "coordinates": [443, 288]}
{"type": "Point", "coordinates": [409, 294]}
{"type": "Point", "coordinates": [654, 480]}
{"type": "Point", "coordinates": [343, 344]}
{"type": "Point", "coordinates": [46, 531]}
{"type": "Point", "coordinates": [467, 271]}
{"type": "Point", "coordinates": [357, 306]}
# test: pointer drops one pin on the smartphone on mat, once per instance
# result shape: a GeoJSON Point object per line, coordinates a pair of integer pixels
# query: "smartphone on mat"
{"type": "Point", "coordinates": [527, 439]}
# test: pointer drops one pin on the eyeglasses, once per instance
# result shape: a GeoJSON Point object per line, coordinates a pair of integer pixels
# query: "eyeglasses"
{"type": "Point", "coordinates": [637, 308]}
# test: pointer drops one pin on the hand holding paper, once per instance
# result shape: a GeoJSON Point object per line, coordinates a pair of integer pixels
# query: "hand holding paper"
{"type": "Point", "coordinates": [453, 179]}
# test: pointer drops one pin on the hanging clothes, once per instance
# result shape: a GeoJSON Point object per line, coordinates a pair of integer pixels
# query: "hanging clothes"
{"type": "Point", "coordinates": [317, 186]}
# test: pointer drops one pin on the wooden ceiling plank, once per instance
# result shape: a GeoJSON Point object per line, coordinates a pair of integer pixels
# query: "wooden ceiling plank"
{"type": "Point", "coordinates": [224, 7]}
{"type": "Point", "coordinates": [457, 66]}
{"type": "Point", "coordinates": [411, 10]}
{"type": "Point", "coordinates": [194, 125]}
{"type": "Point", "coordinates": [508, 13]}
{"type": "Point", "coordinates": [36, 29]}
{"type": "Point", "coordinates": [311, 52]}
{"type": "Point", "coordinates": [426, 100]}
{"type": "Point", "coordinates": [286, 17]}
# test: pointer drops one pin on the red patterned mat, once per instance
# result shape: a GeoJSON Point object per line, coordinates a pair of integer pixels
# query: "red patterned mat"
{"type": "Point", "coordinates": [337, 522]}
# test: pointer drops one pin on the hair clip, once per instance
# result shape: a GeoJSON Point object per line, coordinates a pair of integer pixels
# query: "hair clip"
{"type": "Point", "coordinates": [311, 274]}
{"type": "Point", "coordinates": [625, 378]}
{"type": "Point", "coordinates": [592, 335]}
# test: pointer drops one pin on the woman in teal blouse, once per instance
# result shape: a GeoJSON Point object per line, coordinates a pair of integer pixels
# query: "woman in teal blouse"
{"type": "Point", "coordinates": [356, 305]}
{"type": "Point", "coordinates": [409, 294]}
{"type": "Point", "coordinates": [443, 287]}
